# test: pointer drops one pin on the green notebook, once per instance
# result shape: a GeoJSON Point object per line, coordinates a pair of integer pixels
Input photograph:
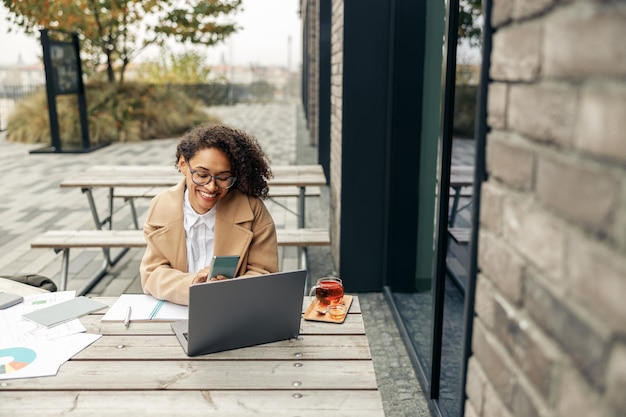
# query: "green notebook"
{"type": "Point", "coordinates": [65, 311]}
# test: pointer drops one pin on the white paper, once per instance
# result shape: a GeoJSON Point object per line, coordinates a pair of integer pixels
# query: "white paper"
{"type": "Point", "coordinates": [30, 350]}
{"type": "Point", "coordinates": [43, 358]}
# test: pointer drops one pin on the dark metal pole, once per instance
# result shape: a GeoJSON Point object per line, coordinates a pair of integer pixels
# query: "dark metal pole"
{"type": "Point", "coordinates": [389, 133]}
{"type": "Point", "coordinates": [480, 175]}
{"type": "Point", "coordinates": [50, 92]}
{"type": "Point", "coordinates": [82, 101]}
{"type": "Point", "coordinates": [445, 141]}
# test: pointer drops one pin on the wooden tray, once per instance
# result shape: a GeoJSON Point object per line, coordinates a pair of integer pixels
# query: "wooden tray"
{"type": "Point", "coordinates": [312, 315]}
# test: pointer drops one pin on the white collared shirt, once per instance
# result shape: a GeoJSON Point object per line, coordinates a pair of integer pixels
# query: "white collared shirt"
{"type": "Point", "coordinates": [200, 232]}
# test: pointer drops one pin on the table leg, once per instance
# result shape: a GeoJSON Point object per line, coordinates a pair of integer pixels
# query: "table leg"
{"type": "Point", "coordinates": [133, 210]}
{"type": "Point", "coordinates": [65, 265]}
{"type": "Point", "coordinates": [94, 210]}
{"type": "Point", "coordinates": [301, 202]}
{"type": "Point", "coordinates": [104, 269]}
{"type": "Point", "coordinates": [110, 218]}
{"type": "Point", "coordinates": [99, 223]}
{"type": "Point", "coordinates": [106, 252]}
{"type": "Point", "coordinates": [301, 222]}
{"type": "Point", "coordinates": [455, 205]}
{"type": "Point", "coordinates": [287, 209]}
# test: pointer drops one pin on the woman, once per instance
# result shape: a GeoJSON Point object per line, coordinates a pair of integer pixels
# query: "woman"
{"type": "Point", "coordinates": [217, 209]}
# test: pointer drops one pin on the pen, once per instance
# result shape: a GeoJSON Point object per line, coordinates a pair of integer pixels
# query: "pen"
{"type": "Point", "coordinates": [127, 319]}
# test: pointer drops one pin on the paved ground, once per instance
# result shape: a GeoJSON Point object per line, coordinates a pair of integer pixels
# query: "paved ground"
{"type": "Point", "coordinates": [31, 201]}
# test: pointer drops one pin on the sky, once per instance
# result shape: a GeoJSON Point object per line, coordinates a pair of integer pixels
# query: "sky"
{"type": "Point", "coordinates": [266, 27]}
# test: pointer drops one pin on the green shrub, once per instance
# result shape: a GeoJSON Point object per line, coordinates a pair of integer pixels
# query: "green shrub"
{"type": "Point", "coordinates": [465, 110]}
{"type": "Point", "coordinates": [116, 113]}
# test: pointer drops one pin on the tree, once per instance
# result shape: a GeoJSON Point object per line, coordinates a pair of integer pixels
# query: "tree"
{"type": "Point", "coordinates": [470, 21]}
{"type": "Point", "coordinates": [183, 68]}
{"type": "Point", "coordinates": [114, 32]}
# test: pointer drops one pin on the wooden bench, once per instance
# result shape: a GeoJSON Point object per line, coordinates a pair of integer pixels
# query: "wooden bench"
{"type": "Point", "coordinates": [461, 235]}
{"type": "Point", "coordinates": [64, 240]}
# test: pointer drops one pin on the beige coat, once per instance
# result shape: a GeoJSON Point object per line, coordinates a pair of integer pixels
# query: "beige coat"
{"type": "Point", "coordinates": [243, 226]}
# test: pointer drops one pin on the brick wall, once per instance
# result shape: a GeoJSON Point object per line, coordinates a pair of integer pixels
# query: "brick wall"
{"type": "Point", "coordinates": [313, 55]}
{"type": "Point", "coordinates": [550, 329]}
{"type": "Point", "coordinates": [336, 100]}
{"type": "Point", "coordinates": [311, 8]}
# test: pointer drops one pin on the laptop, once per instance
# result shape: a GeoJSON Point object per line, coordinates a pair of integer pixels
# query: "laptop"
{"type": "Point", "coordinates": [240, 312]}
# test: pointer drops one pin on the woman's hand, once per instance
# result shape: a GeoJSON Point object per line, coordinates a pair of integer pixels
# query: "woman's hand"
{"type": "Point", "coordinates": [203, 276]}
{"type": "Point", "coordinates": [218, 278]}
{"type": "Point", "coordinates": [200, 277]}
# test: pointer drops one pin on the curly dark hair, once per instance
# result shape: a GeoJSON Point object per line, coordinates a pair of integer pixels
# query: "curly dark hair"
{"type": "Point", "coordinates": [247, 159]}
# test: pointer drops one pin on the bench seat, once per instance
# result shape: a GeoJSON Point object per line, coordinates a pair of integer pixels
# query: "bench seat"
{"type": "Point", "coordinates": [461, 235]}
{"type": "Point", "coordinates": [64, 240]}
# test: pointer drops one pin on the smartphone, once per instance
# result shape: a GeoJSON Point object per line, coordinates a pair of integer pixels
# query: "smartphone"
{"type": "Point", "coordinates": [224, 265]}
{"type": "Point", "coordinates": [8, 300]}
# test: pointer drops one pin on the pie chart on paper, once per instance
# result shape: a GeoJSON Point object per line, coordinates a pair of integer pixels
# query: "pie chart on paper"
{"type": "Point", "coordinates": [14, 359]}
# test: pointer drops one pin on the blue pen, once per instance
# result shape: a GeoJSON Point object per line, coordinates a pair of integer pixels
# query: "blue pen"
{"type": "Point", "coordinates": [156, 309]}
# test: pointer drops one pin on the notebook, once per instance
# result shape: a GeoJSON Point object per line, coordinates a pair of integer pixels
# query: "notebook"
{"type": "Point", "coordinates": [145, 308]}
{"type": "Point", "coordinates": [65, 311]}
{"type": "Point", "coordinates": [240, 312]}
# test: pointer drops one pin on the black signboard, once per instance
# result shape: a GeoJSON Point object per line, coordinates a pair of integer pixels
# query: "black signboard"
{"type": "Point", "coordinates": [65, 73]}
{"type": "Point", "coordinates": [64, 76]}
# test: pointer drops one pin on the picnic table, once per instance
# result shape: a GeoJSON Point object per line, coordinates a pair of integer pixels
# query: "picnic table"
{"type": "Point", "coordinates": [151, 177]}
{"type": "Point", "coordinates": [147, 176]}
{"type": "Point", "coordinates": [142, 370]}
{"type": "Point", "coordinates": [460, 177]}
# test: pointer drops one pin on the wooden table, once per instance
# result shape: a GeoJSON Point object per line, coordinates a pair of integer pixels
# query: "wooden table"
{"type": "Point", "coordinates": [142, 370]}
{"type": "Point", "coordinates": [460, 177]}
{"type": "Point", "coordinates": [114, 176]}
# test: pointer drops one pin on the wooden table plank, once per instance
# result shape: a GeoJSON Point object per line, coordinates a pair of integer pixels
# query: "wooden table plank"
{"type": "Point", "coordinates": [352, 325]}
{"type": "Point", "coordinates": [205, 375]}
{"type": "Point", "coordinates": [164, 176]}
{"type": "Point", "coordinates": [68, 239]}
{"type": "Point", "coordinates": [275, 191]}
{"type": "Point", "coordinates": [89, 238]}
{"type": "Point", "coordinates": [355, 307]}
{"type": "Point", "coordinates": [160, 347]}
{"type": "Point", "coordinates": [287, 403]}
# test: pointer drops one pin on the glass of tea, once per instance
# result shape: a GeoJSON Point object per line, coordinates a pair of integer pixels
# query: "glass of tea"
{"type": "Point", "coordinates": [327, 291]}
{"type": "Point", "coordinates": [337, 311]}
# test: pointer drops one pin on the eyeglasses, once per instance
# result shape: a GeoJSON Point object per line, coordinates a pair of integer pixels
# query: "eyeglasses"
{"type": "Point", "coordinates": [204, 178]}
